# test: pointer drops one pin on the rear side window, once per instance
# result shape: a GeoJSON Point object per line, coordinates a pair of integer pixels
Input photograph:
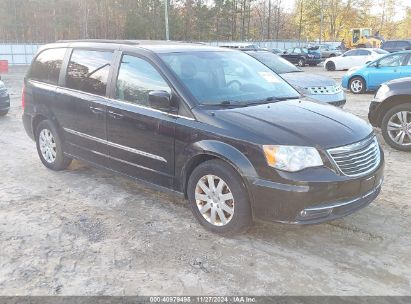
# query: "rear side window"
{"type": "Point", "coordinates": [88, 71]}
{"type": "Point", "coordinates": [363, 53]}
{"type": "Point", "coordinates": [46, 67]}
{"type": "Point", "coordinates": [351, 53]}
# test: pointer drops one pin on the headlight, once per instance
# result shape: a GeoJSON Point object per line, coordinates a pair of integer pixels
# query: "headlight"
{"type": "Point", "coordinates": [381, 92]}
{"type": "Point", "coordinates": [292, 158]}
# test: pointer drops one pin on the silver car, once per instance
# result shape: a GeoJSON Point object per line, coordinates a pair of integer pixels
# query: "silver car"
{"type": "Point", "coordinates": [317, 87]}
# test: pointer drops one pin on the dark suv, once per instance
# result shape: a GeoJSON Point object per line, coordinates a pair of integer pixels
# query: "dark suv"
{"type": "Point", "coordinates": [213, 124]}
{"type": "Point", "coordinates": [397, 45]}
{"type": "Point", "coordinates": [302, 56]}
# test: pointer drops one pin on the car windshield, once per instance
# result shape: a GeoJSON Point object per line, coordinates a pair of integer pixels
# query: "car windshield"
{"type": "Point", "coordinates": [221, 77]}
{"type": "Point", "coordinates": [379, 51]}
{"type": "Point", "coordinates": [274, 62]}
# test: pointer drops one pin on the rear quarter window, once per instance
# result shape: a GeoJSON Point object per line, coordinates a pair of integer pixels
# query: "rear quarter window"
{"type": "Point", "coordinates": [88, 71]}
{"type": "Point", "coordinates": [46, 67]}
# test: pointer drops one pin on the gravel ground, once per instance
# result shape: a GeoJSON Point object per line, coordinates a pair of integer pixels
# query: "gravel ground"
{"type": "Point", "coordinates": [88, 232]}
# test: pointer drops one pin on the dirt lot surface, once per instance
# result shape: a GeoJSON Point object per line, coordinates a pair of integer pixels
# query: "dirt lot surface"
{"type": "Point", "coordinates": [88, 232]}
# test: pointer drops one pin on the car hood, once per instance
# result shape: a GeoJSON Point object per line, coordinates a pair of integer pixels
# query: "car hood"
{"type": "Point", "coordinates": [292, 122]}
{"type": "Point", "coordinates": [304, 80]}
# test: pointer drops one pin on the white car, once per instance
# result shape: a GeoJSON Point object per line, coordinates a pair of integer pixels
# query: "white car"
{"type": "Point", "coordinates": [353, 58]}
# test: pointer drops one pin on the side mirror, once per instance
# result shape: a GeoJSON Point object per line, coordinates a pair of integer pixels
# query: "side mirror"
{"type": "Point", "coordinates": [377, 65]}
{"type": "Point", "coordinates": [160, 100]}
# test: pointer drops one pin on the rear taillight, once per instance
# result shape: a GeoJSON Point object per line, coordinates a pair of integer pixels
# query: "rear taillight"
{"type": "Point", "coordinates": [23, 97]}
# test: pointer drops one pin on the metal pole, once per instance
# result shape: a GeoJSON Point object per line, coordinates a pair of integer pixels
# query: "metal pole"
{"type": "Point", "coordinates": [301, 22]}
{"type": "Point", "coordinates": [166, 19]}
{"type": "Point", "coordinates": [321, 21]}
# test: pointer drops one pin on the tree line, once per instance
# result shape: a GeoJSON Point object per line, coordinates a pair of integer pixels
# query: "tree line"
{"type": "Point", "coordinates": [198, 20]}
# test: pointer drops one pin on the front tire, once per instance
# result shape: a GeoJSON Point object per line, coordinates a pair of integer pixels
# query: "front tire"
{"type": "Point", "coordinates": [50, 147]}
{"type": "Point", "coordinates": [218, 198]}
{"type": "Point", "coordinates": [330, 66]}
{"type": "Point", "coordinates": [357, 85]}
{"type": "Point", "coordinates": [396, 127]}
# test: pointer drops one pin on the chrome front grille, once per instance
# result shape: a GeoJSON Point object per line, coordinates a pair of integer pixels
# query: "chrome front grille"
{"type": "Point", "coordinates": [357, 159]}
{"type": "Point", "coordinates": [326, 90]}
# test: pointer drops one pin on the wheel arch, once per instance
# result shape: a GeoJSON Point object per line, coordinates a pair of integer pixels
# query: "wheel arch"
{"type": "Point", "coordinates": [389, 103]}
{"type": "Point", "coordinates": [211, 149]}
{"type": "Point", "coordinates": [330, 61]}
{"type": "Point", "coordinates": [41, 113]}
{"type": "Point", "coordinates": [357, 76]}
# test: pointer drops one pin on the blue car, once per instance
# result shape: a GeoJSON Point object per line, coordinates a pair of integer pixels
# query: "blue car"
{"type": "Point", "coordinates": [370, 76]}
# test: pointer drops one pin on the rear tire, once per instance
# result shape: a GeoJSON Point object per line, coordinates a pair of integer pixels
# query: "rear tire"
{"type": "Point", "coordinates": [301, 62]}
{"type": "Point", "coordinates": [214, 187]}
{"type": "Point", "coordinates": [330, 66]}
{"type": "Point", "coordinates": [396, 125]}
{"type": "Point", "coordinates": [50, 147]}
{"type": "Point", "coordinates": [357, 85]}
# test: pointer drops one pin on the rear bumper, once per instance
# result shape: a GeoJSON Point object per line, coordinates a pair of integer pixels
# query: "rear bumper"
{"type": "Point", "coordinates": [374, 114]}
{"type": "Point", "coordinates": [330, 197]}
{"type": "Point", "coordinates": [28, 125]}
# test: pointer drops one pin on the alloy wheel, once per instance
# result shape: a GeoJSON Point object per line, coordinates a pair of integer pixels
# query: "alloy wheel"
{"type": "Point", "coordinates": [48, 146]}
{"type": "Point", "coordinates": [214, 200]}
{"type": "Point", "coordinates": [356, 86]}
{"type": "Point", "coordinates": [399, 128]}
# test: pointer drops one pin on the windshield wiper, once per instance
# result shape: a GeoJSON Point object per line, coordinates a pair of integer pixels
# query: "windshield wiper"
{"type": "Point", "coordinates": [226, 103]}
{"type": "Point", "coordinates": [232, 103]}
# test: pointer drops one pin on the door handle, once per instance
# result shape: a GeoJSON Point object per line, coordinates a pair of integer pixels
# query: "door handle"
{"type": "Point", "coordinates": [97, 110]}
{"type": "Point", "coordinates": [115, 115]}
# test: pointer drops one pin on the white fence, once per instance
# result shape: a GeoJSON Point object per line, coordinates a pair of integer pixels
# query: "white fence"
{"type": "Point", "coordinates": [279, 44]}
{"type": "Point", "coordinates": [18, 54]}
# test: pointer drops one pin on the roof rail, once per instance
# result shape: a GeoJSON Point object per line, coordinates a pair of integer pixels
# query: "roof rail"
{"type": "Point", "coordinates": [131, 42]}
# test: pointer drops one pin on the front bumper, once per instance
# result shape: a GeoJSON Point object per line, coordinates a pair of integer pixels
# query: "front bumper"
{"type": "Point", "coordinates": [344, 82]}
{"type": "Point", "coordinates": [329, 196]}
{"type": "Point", "coordinates": [337, 99]}
{"type": "Point", "coordinates": [4, 103]}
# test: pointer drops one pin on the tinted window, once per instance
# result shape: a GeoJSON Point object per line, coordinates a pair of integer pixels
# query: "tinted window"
{"type": "Point", "coordinates": [88, 71]}
{"type": "Point", "coordinates": [46, 67]}
{"type": "Point", "coordinates": [363, 53]}
{"type": "Point", "coordinates": [394, 60]}
{"type": "Point", "coordinates": [389, 44]}
{"type": "Point", "coordinates": [136, 79]}
{"type": "Point", "coordinates": [351, 53]}
{"type": "Point", "coordinates": [402, 44]}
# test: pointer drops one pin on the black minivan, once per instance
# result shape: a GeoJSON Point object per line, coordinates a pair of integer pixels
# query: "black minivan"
{"type": "Point", "coordinates": [211, 123]}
